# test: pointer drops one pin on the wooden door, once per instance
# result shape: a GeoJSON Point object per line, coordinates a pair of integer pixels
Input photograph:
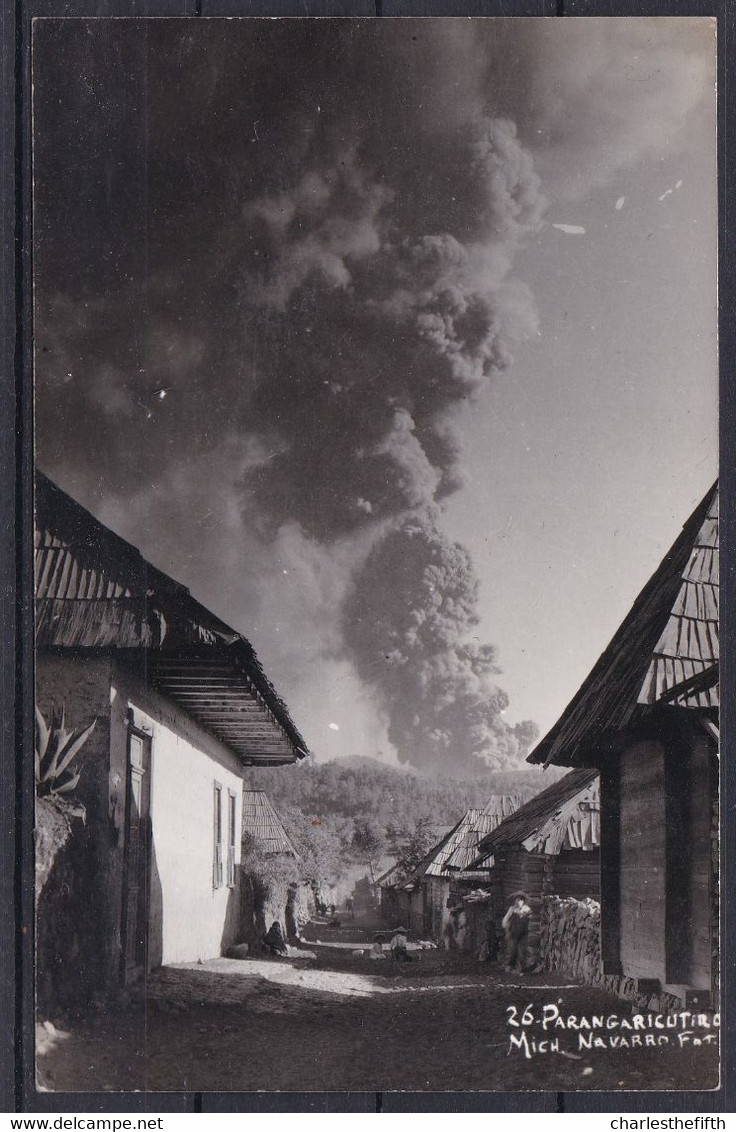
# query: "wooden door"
{"type": "Point", "coordinates": [136, 857]}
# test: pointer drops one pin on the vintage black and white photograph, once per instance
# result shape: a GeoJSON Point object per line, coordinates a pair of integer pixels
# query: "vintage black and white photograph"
{"type": "Point", "coordinates": [376, 554]}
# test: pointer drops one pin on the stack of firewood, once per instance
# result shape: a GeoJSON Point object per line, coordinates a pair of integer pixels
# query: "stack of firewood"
{"type": "Point", "coordinates": [570, 937]}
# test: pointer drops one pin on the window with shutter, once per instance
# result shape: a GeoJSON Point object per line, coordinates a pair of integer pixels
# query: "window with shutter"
{"type": "Point", "coordinates": [217, 860]}
{"type": "Point", "coordinates": [231, 816]}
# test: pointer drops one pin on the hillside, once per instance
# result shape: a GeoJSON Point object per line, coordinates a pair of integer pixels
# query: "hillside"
{"type": "Point", "coordinates": [359, 787]}
{"type": "Point", "coordinates": [361, 811]}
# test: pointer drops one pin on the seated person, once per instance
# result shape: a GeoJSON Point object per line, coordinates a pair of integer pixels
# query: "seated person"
{"type": "Point", "coordinates": [398, 946]}
{"type": "Point", "coordinates": [274, 941]}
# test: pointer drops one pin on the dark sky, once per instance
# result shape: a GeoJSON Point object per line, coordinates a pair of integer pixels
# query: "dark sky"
{"type": "Point", "coordinates": [281, 267]}
{"type": "Point", "coordinates": [160, 254]}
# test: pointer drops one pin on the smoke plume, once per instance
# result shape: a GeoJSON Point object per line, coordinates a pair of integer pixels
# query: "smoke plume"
{"type": "Point", "coordinates": [263, 291]}
{"type": "Point", "coordinates": [389, 329]}
{"type": "Point", "coordinates": [413, 639]}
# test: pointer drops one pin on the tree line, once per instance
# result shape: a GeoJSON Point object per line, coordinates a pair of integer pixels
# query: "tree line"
{"type": "Point", "coordinates": [360, 812]}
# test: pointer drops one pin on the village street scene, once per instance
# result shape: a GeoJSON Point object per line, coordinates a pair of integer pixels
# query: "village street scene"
{"type": "Point", "coordinates": [376, 557]}
{"type": "Point", "coordinates": [492, 936]}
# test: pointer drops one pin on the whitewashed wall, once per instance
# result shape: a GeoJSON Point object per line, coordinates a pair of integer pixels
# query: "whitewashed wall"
{"type": "Point", "coordinates": [190, 919]}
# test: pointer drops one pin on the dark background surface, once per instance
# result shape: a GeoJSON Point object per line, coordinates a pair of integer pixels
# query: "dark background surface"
{"type": "Point", "coordinates": [17, 1090]}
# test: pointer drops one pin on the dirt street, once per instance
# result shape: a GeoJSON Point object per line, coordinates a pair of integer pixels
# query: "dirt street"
{"type": "Point", "coordinates": [344, 1022]}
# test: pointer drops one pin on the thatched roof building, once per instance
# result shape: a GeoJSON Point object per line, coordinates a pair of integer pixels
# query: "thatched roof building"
{"type": "Point", "coordinates": [263, 826]}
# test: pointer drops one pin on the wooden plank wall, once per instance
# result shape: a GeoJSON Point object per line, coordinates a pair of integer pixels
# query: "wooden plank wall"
{"type": "Point", "coordinates": [642, 861]}
{"type": "Point", "coordinates": [417, 920]}
{"type": "Point", "coordinates": [699, 799]}
{"type": "Point", "coordinates": [476, 918]}
{"type": "Point", "coordinates": [574, 872]}
{"type": "Point", "coordinates": [610, 854]}
{"type": "Point", "coordinates": [436, 893]}
{"type": "Point", "coordinates": [389, 907]}
{"type": "Point", "coordinates": [410, 910]}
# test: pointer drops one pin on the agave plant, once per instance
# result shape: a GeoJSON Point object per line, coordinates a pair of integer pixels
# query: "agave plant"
{"type": "Point", "coordinates": [56, 748]}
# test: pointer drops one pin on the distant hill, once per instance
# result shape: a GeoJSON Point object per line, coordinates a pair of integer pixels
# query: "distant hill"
{"type": "Point", "coordinates": [358, 786]}
{"type": "Point", "coordinates": [364, 808]}
{"type": "Point", "coordinates": [366, 760]}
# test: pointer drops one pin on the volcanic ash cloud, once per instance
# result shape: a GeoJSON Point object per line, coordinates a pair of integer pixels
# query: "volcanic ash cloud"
{"type": "Point", "coordinates": [374, 333]}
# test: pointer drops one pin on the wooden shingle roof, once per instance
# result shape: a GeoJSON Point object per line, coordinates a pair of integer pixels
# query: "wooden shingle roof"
{"type": "Point", "coordinates": [456, 847]}
{"type": "Point", "coordinates": [437, 865]}
{"type": "Point", "coordinates": [665, 651]}
{"type": "Point", "coordinates": [466, 850]}
{"type": "Point", "coordinates": [95, 591]}
{"type": "Point", "coordinates": [564, 816]}
{"type": "Point", "coordinates": [403, 875]}
{"type": "Point", "coordinates": [688, 646]}
{"type": "Point", "coordinates": [264, 826]}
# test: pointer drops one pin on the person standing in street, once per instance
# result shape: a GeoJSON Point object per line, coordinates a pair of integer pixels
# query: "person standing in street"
{"type": "Point", "coordinates": [515, 925]}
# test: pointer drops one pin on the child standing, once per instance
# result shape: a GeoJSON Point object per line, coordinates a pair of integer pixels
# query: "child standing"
{"type": "Point", "coordinates": [515, 925]}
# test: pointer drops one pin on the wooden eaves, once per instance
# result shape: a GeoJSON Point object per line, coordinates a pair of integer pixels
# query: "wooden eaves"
{"type": "Point", "coordinates": [96, 593]}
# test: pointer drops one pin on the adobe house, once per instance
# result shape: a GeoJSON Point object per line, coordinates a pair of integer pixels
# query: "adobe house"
{"type": "Point", "coordinates": [550, 845]}
{"type": "Point", "coordinates": [182, 708]}
{"type": "Point", "coordinates": [647, 719]}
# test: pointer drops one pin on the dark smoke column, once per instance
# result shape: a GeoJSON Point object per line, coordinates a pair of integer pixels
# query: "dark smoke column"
{"type": "Point", "coordinates": [409, 624]}
{"type": "Point", "coordinates": [373, 331]}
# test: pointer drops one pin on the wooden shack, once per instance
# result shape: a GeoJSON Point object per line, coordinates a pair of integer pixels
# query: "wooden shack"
{"type": "Point", "coordinates": [647, 719]}
{"type": "Point", "coordinates": [462, 857]}
{"type": "Point", "coordinates": [550, 845]}
{"type": "Point", "coordinates": [366, 900]}
{"type": "Point", "coordinates": [477, 907]}
{"type": "Point", "coordinates": [444, 874]}
{"type": "Point", "coordinates": [402, 894]}
{"type": "Point", "coordinates": [422, 895]}
{"type": "Point", "coordinates": [391, 887]}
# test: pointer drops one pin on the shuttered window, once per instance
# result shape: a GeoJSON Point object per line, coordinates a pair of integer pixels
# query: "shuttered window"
{"type": "Point", "coordinates": [231, 828]}
{"type": "Point", "coordinates": [217, 830]}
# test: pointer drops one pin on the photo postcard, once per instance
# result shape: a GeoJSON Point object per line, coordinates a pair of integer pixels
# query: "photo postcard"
{"type": "Point", "coordinates": [376, 554]}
